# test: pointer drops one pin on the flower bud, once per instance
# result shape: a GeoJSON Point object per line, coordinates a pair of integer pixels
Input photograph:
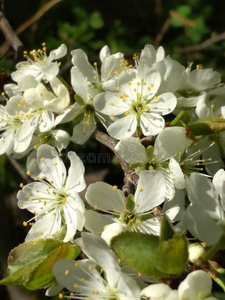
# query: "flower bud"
{"type": "Point", "coordinates": [112, 230]}
{"type": "Point", "coordinates": [195, 253]}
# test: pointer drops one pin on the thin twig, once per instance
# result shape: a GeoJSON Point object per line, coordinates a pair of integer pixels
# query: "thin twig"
{"type": "Point", "coordinates": [10, 34]}
{"type": "Point", "coordinates": [19, 170]}
{"type": "Point", "coordinates": [110, 142]}
{"type": "Point", "coordinates": [162, 32]}
{"type": "Point", "coordinates": [184, 21]}
{"type": "Point", "coordinates": [203, 45]}
{"type": "Point", "coordinates": [37, 16]}
{"type": "Point", "coordinates": [29, 22]}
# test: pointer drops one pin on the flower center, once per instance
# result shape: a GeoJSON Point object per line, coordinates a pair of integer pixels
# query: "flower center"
{"type": "Point", "coordinates": [130, 219]}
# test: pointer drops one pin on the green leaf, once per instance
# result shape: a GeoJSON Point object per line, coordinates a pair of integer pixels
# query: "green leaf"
{"type": "Point", "coordinates": [166, 231]}
{"type": "Point", "coordinates": [138, 251]}
{"type": "Point", "coordinates": [42, 275]}
{"type": "Point", "coordinates": [34, 250]}
{"type": "Point", "coordinates": [220, 277]}
{"type": "Point", "coordinates": [171, 256]}
{"type": "Point", "coordinates": [205, 127]}
{"type": "Point", "coordinates": [30, 263]}
{"type": "Point", "coordinates": [96, 20]}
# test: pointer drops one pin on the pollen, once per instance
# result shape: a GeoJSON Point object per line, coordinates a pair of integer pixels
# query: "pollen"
{"type": "Point", "coordinates": [41, 233]}
{"type": "Point", "coordinates": [115, 187]}
{"type": "Point", "coordinates": [111, 103]}
{"type": "Point", "coordinates": [75, 285]}
{"type": "Point", "coordinates": [60, 296]}
{"type": "Point", "coordinates": [95, 207]}
{"type": "Point", "coordinates": [82, 279]}
{"type": "Point", "coordinates": [76, 264]}
{"type": "Point", "coordinates": [66, 272]}
{"type": "Point", "coordinates": [21, 185]}
{"type": "Point", "coordinates": [117, 88]}
{"type": "Point", "coordinates": [111, 115]}
{"type": "Point", "coordinates": [42, 158]}
{"type": "Point", "coordinates": [140, 190]}
{"type": "Point", "coordinates": [24, 224]}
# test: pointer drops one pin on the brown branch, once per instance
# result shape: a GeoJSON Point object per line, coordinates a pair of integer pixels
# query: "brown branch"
{"type": "Point", "coordinates": [37, 16]}
{"type": "Point", "coordinates": [18, 169]}
{"type": "Point", "coordinates": [10, 34]}
{"type": "Point", "coordinates": [26, 24]}
{"type": "Point", "coordinates": [184, 21]}
{"type": "Point", "coordinates": [162, 32]}
{"type": "Point", "coordinates": [203, 45]}
{"type": "Point", "coordinates": [129, 175]}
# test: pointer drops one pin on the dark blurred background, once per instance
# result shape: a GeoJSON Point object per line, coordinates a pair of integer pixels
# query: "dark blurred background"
{"type": "Point", "coordinates": [190, 30]}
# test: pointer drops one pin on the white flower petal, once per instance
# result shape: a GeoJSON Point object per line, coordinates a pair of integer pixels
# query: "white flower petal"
{"type": "Point", "coordinates": [123, 127]}
{"type": "Point", "coordinates": [201, 191]}
{"type": "Point", "coordinates": [82, 132]}
{"type": "Point", "coordinates": [156, 291]}
{"type": "Point", "coordinates": [75, 181]}
{"type": "Point", "coordinates": [132, 150]}
{"type": "Point", "coordinates": [105, 197]}
{"type": "Point", "coordinates": [104, 53]}
{"type": "Point", "coordinates": [108, 104]}
{"type": "Point", "coordinates": [172, 140]}
{"type": "Point", "coordinates": [151, 190]}
{"type": "Point", "coordinates": [58, 53]}
{"type": "Point", "coordinates": [45, 227]}
{"type": "Point", "coordinates": [151, 124]}
{"type": "Point", "coordinates": [196, 220]}
{"type": "Point", "coordinates": [197, 285]}
{"type": "Point", "coordinates": [164, 104]}
{"type": "Point", "coordinates": [95, 222]}
{"type": "Point", "coordinates": [177, 174]}
{"type": "Point", "coordinates": [51, 165]}
{"type": "Point", "coordinates": [80, 60]}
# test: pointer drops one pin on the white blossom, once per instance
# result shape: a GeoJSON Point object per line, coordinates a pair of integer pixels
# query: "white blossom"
{"type": "Point", "coordinates": [197, 285]}
{"type": "Point", "coordinates": [53, 199]}
{"type": "Point", "coordinates": [83, 279]}
{"type": "Point", "coordinates": [40, 65]}
{"type": "Point", "coordinates": [136, 213]}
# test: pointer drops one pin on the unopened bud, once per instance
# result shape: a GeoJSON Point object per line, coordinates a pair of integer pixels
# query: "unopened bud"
{"type": "Point", "coordinates": [112, 230]}
{"type": "Point", "coordinates": [195, 253]}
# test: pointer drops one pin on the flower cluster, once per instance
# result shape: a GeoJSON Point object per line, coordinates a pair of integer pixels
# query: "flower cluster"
{"type": "Point", "coordinates": [165, 124]}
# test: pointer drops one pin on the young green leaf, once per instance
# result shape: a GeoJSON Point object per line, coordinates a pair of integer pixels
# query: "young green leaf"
{"type": "Point", "coordinates": [166, 231]}
{"type": "Point", "coordinates": [171, 256]}
{"type": "Point", "coordinates": [138, 251]}
{"type": "Point", "coordinates": [30, 263]}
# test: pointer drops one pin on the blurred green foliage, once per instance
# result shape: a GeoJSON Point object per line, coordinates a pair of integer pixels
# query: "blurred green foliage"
{"type": "Point", "coordinates": [125, 26]}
